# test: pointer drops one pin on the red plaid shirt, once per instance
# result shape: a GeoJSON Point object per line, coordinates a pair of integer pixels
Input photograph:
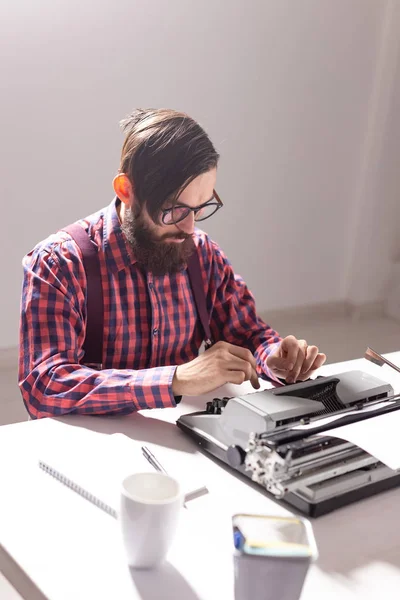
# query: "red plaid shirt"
{"type": "Point", "coordinates": [150, 324]}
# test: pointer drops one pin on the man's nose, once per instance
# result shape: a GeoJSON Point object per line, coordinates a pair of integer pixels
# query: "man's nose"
{"type": "Point", "coordinates": [187, 225]}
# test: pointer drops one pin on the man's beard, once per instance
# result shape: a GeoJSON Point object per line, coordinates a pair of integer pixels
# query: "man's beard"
{"type": "Point", "coordinates": [155, 255]}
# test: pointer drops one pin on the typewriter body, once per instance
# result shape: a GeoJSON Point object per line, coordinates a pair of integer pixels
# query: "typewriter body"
{"type": "Point", "coordinates": [263, 436]}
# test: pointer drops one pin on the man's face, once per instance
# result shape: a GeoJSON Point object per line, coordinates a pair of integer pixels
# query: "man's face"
{"type": "Point", "coordinates": [163, 248]}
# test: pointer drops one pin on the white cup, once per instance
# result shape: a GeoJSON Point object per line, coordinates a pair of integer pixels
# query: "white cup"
{"type": "Point", "coordinates": [149, 512]}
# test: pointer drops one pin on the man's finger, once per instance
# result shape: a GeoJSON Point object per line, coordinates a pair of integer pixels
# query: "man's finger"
{"type": "Point", "coordinates": [301, 355]}
{"type": "Point", "coordinates": [277, 364]}
{"type": "Point", "coordinates": [285, 356]}
{"type": "Point", "coordinates": [242, 353]}
{"type": "Point", "coordinates": [239, 377]}
{"type": "Point", "coordinates": [254, 380]}
{"type": "Point", "coordinates": [234, 363]}
{"type": "Point", "coordinates": [289, 350]}
{"type": "Point", "coordinates": [239, 364]}
{"type": "Point", "coordinates": [311, 355]}
{"type": "Point", "coordinates": [318, 362]}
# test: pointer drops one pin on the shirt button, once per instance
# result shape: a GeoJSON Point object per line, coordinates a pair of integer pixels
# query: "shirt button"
{"type": "Point", "coordinates": [155, 331]}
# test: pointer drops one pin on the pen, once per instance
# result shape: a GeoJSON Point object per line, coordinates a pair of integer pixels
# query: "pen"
{"type": "Point", "coordinates": [378, 359]}
{"type": "Point", "coordinates": [158, 467]}
{"type": "Point", "coordinates": [152, 460]}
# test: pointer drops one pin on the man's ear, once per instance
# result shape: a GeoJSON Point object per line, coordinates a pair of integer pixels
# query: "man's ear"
{"type": "Point", "coordinates": [123, 189]}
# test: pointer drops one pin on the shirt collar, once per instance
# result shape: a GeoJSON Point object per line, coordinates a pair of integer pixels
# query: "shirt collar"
{"type": "Point", "coordinates": [118, 253]}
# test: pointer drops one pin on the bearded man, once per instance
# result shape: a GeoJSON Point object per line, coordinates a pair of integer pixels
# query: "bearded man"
{"type": "Point", "coordinates": [152, 330]}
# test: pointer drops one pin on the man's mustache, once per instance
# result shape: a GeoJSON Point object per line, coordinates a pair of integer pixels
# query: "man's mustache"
{"type": "Point", "coordinates": [182, 236]}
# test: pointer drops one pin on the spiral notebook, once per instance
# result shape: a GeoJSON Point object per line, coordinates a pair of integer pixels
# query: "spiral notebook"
{"type": "Point", "coordinates": [96, 464]}
{"type": "Point", "coordinates": [78, 489]}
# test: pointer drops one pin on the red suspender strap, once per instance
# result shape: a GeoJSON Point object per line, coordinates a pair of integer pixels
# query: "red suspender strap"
{"type": "Point", "coordinates": [93, 344]}
{"type": "Point", "coordinates": [196, 282]}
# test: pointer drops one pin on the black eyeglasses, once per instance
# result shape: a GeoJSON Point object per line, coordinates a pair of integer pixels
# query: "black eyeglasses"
{"type": "Point", "coordinates": [175, 214]}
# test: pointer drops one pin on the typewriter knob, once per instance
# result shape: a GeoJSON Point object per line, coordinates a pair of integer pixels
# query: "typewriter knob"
{"type": "Point", "coordinates": [236, 456]}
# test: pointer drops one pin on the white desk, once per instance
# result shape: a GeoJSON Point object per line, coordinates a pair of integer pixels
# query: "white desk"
{"type": "Point", "coordinates": [56, 545]}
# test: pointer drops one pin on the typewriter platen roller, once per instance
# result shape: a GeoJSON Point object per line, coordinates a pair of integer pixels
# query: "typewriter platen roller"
{"type": "Point", "coordinates": [256, 434]}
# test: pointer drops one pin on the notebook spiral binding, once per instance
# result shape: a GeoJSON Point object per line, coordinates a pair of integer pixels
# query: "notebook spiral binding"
{"type": "Point", "coordinates": [78, 489]}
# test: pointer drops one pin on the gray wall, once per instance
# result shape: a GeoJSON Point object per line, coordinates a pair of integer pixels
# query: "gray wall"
{"type": "Point", "coordinates": [282, 87]}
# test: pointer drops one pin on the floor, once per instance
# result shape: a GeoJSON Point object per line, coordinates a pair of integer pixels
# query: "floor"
{"type": "Point", "coordinates": [341, 338]}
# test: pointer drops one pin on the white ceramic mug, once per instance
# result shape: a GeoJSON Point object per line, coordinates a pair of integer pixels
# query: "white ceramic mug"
{"type": "Point", "coordinates": [149, 513]}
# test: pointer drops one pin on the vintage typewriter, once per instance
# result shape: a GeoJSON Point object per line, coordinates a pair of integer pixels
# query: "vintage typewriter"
{"type": "Point", "coordinates": [258, 435]}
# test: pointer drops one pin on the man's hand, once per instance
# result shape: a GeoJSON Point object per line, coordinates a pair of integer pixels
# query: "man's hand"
{"type": "Point", "coordinates": [294, 360]}
{"type": "Point", "coordinates": [222, 363]}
